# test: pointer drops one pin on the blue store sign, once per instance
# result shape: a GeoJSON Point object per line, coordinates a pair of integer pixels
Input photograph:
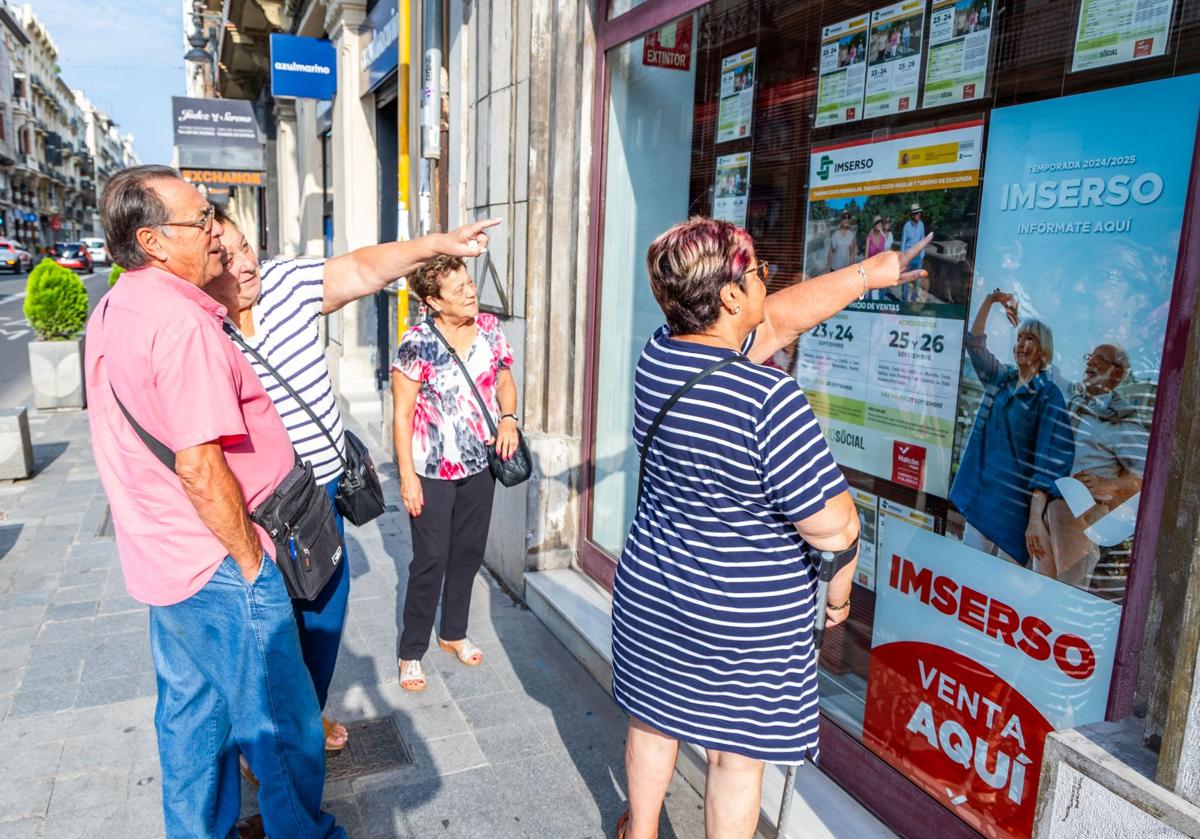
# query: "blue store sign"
{"type": "Point", "coordinates": [303, 67]}
{"type": "Point", "coordinates": [381, 55]}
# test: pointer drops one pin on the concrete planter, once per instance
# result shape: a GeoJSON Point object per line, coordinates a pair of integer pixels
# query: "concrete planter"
{"type": "Point", "coordinates": [56, 369]}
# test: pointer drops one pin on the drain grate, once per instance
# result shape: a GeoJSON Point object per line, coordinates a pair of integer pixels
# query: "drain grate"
{"type": "Point", "coordinates": [374, 746]}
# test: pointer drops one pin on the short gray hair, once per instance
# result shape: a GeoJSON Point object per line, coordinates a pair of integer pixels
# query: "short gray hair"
{"type": "Point", "coordinates": [1039, 330]}
{"type": "Point", "coordinates": [127, 204]}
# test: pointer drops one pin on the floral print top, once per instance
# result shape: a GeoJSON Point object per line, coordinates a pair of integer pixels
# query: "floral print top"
{"type": "Point", "coordinates": [450, 434]}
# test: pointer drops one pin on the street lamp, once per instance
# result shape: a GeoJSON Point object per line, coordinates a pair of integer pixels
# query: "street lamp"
{"type": "Point", "coordinates": [198, 41]}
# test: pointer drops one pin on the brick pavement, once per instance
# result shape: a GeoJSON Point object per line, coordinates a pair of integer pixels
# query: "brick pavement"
{"type": "Point", "coordinates": [527, 743]}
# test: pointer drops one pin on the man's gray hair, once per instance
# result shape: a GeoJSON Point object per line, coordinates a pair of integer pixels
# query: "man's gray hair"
{"type": "Point", "coordinates": [127, 204]}
{"type": "Point", "coordinates": [1039, 330]}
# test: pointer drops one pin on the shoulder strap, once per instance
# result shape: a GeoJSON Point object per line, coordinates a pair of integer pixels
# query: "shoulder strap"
{"type": "Point", "coordinates": [487, 415]}
{"type": "Point", "coordinates": [241, 342]}
{"type": "Point", "coordinates": [662, 412]}
{"type": "Point", "coordinates": [156, 446]}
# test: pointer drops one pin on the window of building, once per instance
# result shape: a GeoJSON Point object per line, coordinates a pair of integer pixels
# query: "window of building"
{"type": "Point", "coordinates": [993, 420]}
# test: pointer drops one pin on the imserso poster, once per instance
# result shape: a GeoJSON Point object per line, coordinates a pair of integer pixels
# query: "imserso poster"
{"type": "Point", "coordinates": [882, 375]}
{"type": "Point", "coordinates": [894, 58]}
{"type": "Point", "coordinates": [990, 636]}
{"type": "Point", "coordinates": [960, 38]}
{"type": "Point", "coordinates": [737, 96]}
{"type": "Point", "coordinates": [843, 72]}
{"type": "Point", "coordinates": [1115, 31]}
{"type": "Point", "coordinates": [731, 191]}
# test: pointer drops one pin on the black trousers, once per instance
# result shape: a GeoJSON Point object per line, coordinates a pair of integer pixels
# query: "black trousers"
{"type": "Point", "coordinates": [448, 540]}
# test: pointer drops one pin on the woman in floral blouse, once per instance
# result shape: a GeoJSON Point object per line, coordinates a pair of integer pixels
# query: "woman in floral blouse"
{"type": "Point", "coordinates": [441, 441]}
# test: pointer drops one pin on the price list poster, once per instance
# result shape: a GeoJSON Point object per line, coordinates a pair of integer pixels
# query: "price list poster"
{"type": "Point", "coordinates": [894, 58]}
{"type": "Point", "coordinates": [843, 72]}
{"type": "Point", "coordinates": [883, 375]}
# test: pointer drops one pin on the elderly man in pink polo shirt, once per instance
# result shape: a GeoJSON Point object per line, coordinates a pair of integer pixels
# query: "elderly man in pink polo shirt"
{"type": "Point", "coordinates": [231, 678]}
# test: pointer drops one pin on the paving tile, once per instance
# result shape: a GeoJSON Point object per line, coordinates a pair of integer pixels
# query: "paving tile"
{"type": "Point", "coordinates": [430, 722]}
{"type": "Point", "coordinates": [78, 594]}
{"type": "Point", "coordinates": [29, 799]}
{"type": "Point", "coordinates": [42, 700]}
{"type": "Point", "coordinates": [22, 616]}
{"type": "Point", "coordinates": [493, 710]}
{"type": "Point", "coordinates": [94, 790]}
{"type": "Point", "coordinates": [105, 750]}
{"type": "Point", "coordinates": [23, 829]}
{"type": "Point", "coordinates": [116, 689]}
{"type": "Point", "coordinates": [59, 671]}
{"type": "Point", "coordinates": [513, 741]}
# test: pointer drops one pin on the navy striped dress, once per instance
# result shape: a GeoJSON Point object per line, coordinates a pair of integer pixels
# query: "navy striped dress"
{"type": "Point", "coordinates": [714, 598]}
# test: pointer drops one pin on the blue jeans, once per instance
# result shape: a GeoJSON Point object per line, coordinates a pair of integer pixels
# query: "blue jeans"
{"type": "Point", "coordinates": [321, 621]}
{"type": "Point", "coordinates": [230, 680]}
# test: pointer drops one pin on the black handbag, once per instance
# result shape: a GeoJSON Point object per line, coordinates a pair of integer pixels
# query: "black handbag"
{"type": "Point", "coordinates": [359, 495]}
{"type": "Point", "coordinates": [517, 468]}
{"type": "Point", "coordinates": [297, 516]}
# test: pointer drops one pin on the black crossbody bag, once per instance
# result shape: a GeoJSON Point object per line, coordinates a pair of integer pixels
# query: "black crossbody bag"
{"type": "Point", "coordinates": [297, 516]}
{"type": "Point", "coordinates": [359, 495]}
{"type": "Point", "coordinates": [517, 468]}
{"type": "Point", "coordinates": [670, 403]}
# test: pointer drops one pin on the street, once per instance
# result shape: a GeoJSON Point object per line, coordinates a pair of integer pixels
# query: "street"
{"type": "Point", "coordinates": [15, 333]}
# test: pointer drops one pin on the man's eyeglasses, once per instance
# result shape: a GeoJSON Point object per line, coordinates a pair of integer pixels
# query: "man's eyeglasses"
{"type": "Point", "coordinates": [1108, 362]}
{"type": "Point", "coordinates": [203, 223]}
{"type": "Point", "coordinates": [761, 269]}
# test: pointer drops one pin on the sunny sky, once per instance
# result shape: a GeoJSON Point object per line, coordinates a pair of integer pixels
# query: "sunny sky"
{"type": "Point", "coordinates": [127, 56]}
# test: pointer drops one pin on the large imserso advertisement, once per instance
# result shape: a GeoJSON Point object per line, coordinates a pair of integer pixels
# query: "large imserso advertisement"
{"type": "Point", "coordinates": [989, 636]}
{"type": "Point", "coordinates": [882, 376]}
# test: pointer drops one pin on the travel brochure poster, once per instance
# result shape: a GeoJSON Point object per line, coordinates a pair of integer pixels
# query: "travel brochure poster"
{"type": "Point", "coordinates": [843, 72]}
{"type": "Point", "coordinates": [737, 96]}
{"type": "Point", "coordinates": [731, 191]}
{"type": "Point", "coordinates": [894, 58]}
{"type": "Point", "coordinates": [983, 644]}
{"type": "Point", "coordinates": [882, 376]}
{"type": "Point", "coordinates": [1116, 31]}
{"type": "Point", "coordinates": [960, 36]}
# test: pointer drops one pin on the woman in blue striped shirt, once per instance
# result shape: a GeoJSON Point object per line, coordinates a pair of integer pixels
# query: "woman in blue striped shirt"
{"type": "Point", "coordinates": [714, 599]}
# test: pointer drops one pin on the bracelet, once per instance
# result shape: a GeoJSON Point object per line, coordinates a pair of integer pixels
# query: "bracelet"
{"type": "Point", "coordinates": [845, 605]}
{"type": "Point", "coordinates": [862, 272]}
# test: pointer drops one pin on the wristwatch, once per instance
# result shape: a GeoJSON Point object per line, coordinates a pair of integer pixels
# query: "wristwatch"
{"type": "Point", "coordinates": [515, 418]}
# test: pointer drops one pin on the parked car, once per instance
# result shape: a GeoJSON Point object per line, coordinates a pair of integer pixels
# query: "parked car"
{"type": "Point", "coordinates": [97, 251]}
{"type": "Point", "coordinates": [73, 255]}
{"type": "Point", "coordinates": [14, 257]}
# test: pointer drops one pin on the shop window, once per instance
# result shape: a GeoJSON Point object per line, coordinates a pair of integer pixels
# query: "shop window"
{"type": "Point", "coordinates": [993, 419]}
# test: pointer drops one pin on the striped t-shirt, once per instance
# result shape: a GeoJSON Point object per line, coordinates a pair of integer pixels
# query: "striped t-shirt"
{"type": "Point", "coordinates": [287, 333]}
{"type": "Point", "coordinates": [713, 605]}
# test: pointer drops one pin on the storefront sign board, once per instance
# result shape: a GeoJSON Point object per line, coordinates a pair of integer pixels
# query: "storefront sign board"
{"type": "Point", "coordinates": [1116, 31]}
{"type": "Point", "coordinates": [736, 110]}
{"type": "Point", "coordinates": [975, 658]}
{"type": "Point", "coordinates": [894, 58]}
{"type": "Point", "coordinates": [303, 67]}
{"type": "Point", "coordinates": [731, 190]}
{"type": "Point", "coordinates": [217, 133]}
{"type": "Point", "coordinates": [669, 47]}
{"type": "Point", "coordinates": [842, 72]}
{"type": "Point", "coordinates": [960, 39]}
{"type": "Point", "coordinates": [381, 55]}
{"type": "Point", "coordinates": [882, 375]}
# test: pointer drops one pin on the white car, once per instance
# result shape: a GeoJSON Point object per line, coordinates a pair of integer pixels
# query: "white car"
{"type": "Point", "coordinates": [97, 251]}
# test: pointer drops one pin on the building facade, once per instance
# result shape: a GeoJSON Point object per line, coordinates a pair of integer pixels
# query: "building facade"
{"type": "Point", "coordinates": [967, 694]}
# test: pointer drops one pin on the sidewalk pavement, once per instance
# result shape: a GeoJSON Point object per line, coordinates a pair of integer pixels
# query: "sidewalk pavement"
{"type": "Point", "coordinates": [527, 744]}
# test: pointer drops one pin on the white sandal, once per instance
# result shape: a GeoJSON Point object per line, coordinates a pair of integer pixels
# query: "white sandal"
{"type": "Point", "coordinates": [466, 652]}
{"type": "Point", "coordinates": [412, 677]}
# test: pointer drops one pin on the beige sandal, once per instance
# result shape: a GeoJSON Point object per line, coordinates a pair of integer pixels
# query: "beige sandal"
{"type": "Point", "coordinates": [465, 651]}
{"type": "Point", "coordinates": [412, 677]}
{"type": "Point", "coordinates": [333, 729]}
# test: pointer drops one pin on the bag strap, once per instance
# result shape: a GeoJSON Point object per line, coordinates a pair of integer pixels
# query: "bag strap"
{"type": "Point", "coordinates": [241, 342]}
{"type": "Point", "coordinates": [156, 446]}
{"type": "Point", "coordinates": [670, 403]}
{"type": "Point", "coordinates": [487, 415]}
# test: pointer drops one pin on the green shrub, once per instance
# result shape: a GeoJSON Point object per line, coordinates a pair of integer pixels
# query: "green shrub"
{"type": "Point", "coordinates": [116, 271]}
{"type": "Point", "coordinates": [56, 302]}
